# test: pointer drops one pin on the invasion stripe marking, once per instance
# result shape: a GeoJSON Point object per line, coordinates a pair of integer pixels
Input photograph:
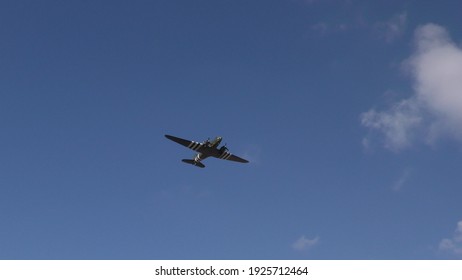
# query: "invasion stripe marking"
{"type": "Point", "coordinates": [226, 155]}
{"type": "Point", "coordinates": [190, 145]}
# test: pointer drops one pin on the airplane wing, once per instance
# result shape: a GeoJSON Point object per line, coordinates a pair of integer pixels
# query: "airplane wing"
{"type": "Point", "coordinates": [228, 156]}
{"type": "Point", "coordinates": [193, 145]}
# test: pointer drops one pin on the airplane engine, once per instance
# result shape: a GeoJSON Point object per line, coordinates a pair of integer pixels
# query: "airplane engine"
{"type": "Point", "coordinates": [223, 150]}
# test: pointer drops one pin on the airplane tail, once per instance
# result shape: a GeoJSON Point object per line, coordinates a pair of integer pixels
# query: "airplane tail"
{"type": "Point", "coordinates": [193, 162]}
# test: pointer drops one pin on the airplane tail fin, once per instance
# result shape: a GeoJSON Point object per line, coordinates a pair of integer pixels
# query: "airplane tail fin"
{"type": "Point", "coordinates": [193, 162]}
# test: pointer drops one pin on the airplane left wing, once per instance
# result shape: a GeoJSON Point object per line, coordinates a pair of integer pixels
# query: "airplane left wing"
{"type": "Point", "coordinates": [193, 145]}
{"type": "Point", "coordinates": [228, 156]}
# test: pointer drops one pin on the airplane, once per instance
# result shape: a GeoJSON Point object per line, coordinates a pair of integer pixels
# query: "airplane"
{"type": "Point", "coordinates": [206, 149]}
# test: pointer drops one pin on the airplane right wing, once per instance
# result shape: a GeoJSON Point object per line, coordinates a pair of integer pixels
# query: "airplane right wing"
{"type": "Point", "coordinates": [193, 145]}
{"type": "Point", "coordinates": [228, 156]}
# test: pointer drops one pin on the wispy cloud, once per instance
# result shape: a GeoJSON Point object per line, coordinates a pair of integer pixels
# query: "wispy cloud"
{"type": "Point", "coordinates": [399, 184]}
{"type": "Point", "coordinates": [320, 27]}
{"type": "Point", "coordinates": [304, 243]}
{"type": "Point", "coordinates": [397, 124]}
{"type": "Point", "coordinates": [453, 245]}
{"type": "Point", "coordinates": [324, 28]}
{"type": "Point", "coordinates": [389, 30]}
{"type": "Point", "coordinates": [435, 108]}
{"type": "Point", "coordinates": [393, 28]}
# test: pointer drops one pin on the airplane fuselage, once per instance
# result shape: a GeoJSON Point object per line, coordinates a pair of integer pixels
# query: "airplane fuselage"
{"type": "Point", "coordinates": [215, 142]}
{"type": "Point", "coordinates": [210, 148]}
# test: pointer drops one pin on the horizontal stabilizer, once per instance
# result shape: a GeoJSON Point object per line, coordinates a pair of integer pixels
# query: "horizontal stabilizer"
{"type": "Point", "coordinates": [193, 162]}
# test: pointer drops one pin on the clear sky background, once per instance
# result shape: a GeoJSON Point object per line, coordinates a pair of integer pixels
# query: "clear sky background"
{"type": "Point", "coordinates": [350, 113]}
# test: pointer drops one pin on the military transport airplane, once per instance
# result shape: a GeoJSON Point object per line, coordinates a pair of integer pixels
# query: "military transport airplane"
{"type": "Point", "coordinates": [206, 149]}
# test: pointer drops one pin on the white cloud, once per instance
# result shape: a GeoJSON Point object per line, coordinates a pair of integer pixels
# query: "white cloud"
{"type": "Point", "coordinates": [454, 244]}
{"type": "Point", "coordinates": [437, 68]}
{"type": "Point", "coordinates": [304, 243]}
{"type": "Point", "coordinates": [435, 108]}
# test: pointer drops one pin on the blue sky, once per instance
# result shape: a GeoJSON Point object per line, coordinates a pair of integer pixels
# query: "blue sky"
{"type": "Point", "coordinates": [349, 112]}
